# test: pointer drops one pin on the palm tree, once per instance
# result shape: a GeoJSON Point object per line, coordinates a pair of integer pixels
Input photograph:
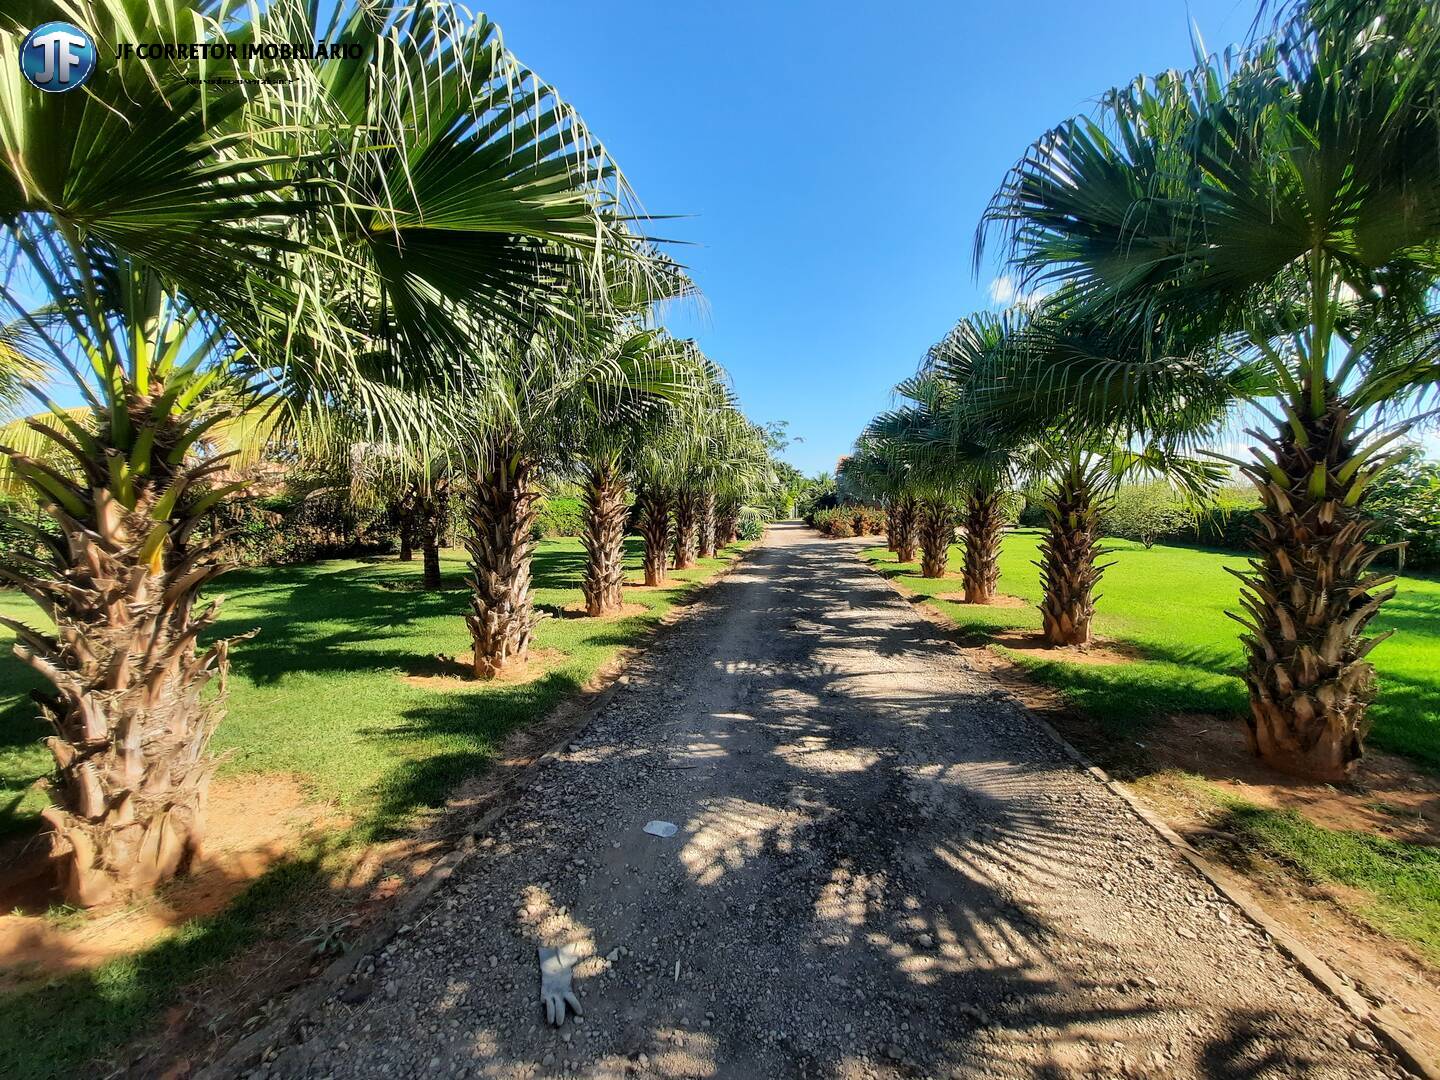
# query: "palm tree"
{"type": "Point", "coordinates": [1282, 200]}
{"type": "Point", "coordinates": [207, 248]}
{"type": "Point", "coordinates": [735, 465]}
{"type": "Point", "coordinates": [875, 472]}
{"type": "Point", "coordinates": [915, 436]}
{"type": "Point", "coordinates": [989, 455]}
{"type": "Point", "coordinates": [612, 429]}
{"type": "Point", "coordinates": [655, 483]}
{"type": "Point", "coordinates": [700, 449]}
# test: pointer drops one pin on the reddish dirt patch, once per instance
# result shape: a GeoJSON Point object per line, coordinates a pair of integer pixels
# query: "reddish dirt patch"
{"type": "Point", "coordinates": [253, 823]}
{"type": "Point", "coordinates": [1389, 796]}
{"type": "Point", "coordinates": [1032, 644]}
{"type": "Point", "coordinates": [624, 611]}
{"type": "Point", "coordinates": [1000, 600]}
{"type": "Point", "coordinates": [458, 673]}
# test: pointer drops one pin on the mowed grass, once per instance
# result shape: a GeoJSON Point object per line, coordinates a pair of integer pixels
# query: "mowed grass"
{"type": "Point", "coordinates": [1169, 603]}
{"type": "Point", "coordinates": [321, 695]}
{"type": "Point", "coordinates": [321, 692]}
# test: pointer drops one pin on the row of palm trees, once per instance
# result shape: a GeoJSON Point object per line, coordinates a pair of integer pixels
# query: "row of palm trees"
{"type": "Point", "coordinates": [1258, 237]}
{"type": "Point", "coordinates": [422, 259]}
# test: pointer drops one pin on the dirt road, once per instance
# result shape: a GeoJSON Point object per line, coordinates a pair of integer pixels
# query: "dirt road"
{"type": "Point", "coordinates": [883, 868]}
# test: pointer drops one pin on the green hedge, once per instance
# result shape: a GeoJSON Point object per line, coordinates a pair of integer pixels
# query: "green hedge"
{"type": "Point", "coordinates": [560, 515]}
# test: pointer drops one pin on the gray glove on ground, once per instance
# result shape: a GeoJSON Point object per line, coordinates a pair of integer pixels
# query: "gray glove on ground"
{"type": "Point", "coordinates": [555, 991]}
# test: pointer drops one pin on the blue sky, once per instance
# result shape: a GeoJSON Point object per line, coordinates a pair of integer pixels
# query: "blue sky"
{"type": "Point", "coordinates": [833, 159]}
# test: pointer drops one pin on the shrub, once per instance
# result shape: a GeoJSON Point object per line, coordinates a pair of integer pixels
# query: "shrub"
{"type": "Point", "coordinates": [1147, 513]}
{"type": "Point", "coordinates": [1405, 504]}
{"type": "Point", "coordinates": [752, 523]}
{"type": "Point", "coordinates": [836, 524]}
{"type": "Point", "coordinates": [559, 515]}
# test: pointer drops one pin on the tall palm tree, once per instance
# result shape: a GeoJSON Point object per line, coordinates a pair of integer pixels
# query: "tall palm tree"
{"type": "Point", "coordinates": [989, 455]}
{"type": "Point", "coordinates": [1284, 200]}
{"type": "Point", "coordinates": [193, 246]}
{"type": "Point", "coordinates": [699, 447]}
{"type": "Point", "coordinates": [872, 473]}
{"type": "Point", "coordinates": [609, 428]}
{"type": "Point", "coordinates": [916, 436]}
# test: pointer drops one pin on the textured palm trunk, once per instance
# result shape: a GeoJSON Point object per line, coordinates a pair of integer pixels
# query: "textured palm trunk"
{"type": "Point", "coordinates": [727, 522]}
{"type": "Point", "coordinates": [431, 511]}
{"type": "Point", "coordinates": [405, 512]}
{"type": "Point", "coordinates": [937, 530]}
{"type": "Point", "coordinates": [501, 509]}
{"type": "Point", "coordinates": [705, 526]}
{"type": "Point", "coordinates": [890, 526]}
{"type": "Point", "coordinates": [907, 520]}
{"type": "Point", "coordinates": [687, 511]}
{"type": "Point", "coordinates": [654, 524]}
{"type": "Point", "coordinates": [984, 527]}
{"type": "Point", "coordinates": [1070, 553]}
{"type": "Point", "coordinates": [1309, 596]}
{"type": "Point", "coordinates": [130, 717]}
{"type": "Point", "coordinates": [604, 539]}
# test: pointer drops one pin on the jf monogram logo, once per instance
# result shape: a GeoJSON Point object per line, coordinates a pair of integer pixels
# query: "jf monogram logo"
{"type": "Point", "coordinates": [57, 56]}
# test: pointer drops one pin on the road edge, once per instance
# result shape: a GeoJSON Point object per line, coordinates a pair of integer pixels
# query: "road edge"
{"type": "Point", "coordinates": [1406, 1050]}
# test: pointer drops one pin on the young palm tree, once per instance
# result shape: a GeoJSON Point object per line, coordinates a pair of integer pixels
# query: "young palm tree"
{"type": "Point", "coordinates": [656, 481]}
{"type": "Point", "coordinates": [871, 473]}
{"type": "Point", "coordinates": [612, 429]}
{"type": "Point", "coordinates": [1282, 200]}
{"type": "Point", "coordinates": [195, 246]}
{"type": "Point", "coordinates": [988, 455]}
{"type": "Point", "coordinates": [916, 438]}
{"type": "Point", "coordinates": [1079, 485]}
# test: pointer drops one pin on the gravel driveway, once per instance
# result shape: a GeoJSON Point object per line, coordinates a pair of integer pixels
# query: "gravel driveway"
{"type": "Point", "coordinates": [883, 868]}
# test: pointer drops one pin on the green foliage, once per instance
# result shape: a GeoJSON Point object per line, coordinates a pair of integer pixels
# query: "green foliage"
{"type": "Point", "coordinates": [1147, 513]}
{"type": "Point", "coordinates": [752, 523]}
{"type": "Point", "coordinates": [835, 524]}
{"type": "Point", "coordinates": [279, 530]}
{"type": "Point", "coordinates": [559, 515]}
{"type": "Point", "coordinates": [1405, 503]}
{"type": "Point", "coordinates": [1400, 881]}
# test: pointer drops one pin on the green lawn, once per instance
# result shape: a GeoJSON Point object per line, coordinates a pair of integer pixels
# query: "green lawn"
{"type": "Point", "coordinates": [321, 694]}
{"type": "Point", "coordinates": [1169, 603]}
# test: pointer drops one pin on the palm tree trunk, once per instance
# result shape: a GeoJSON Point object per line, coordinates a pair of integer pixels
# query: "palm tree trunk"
{"type": "Point", "coordinates": [705, 526]}
{"type": "Point", "coordinates": [937, 531]}
{"type": "Point", "coordinates": [431, 511]}
{"type": "Point", "coordinates": [984, 526]}
{"type": "Point", "coordinates": [405, 511]}
{"type": "Point", "coordinates": [604, 538]}
{"type": "Point", "coordinates": [1070, 553]}
{"type": "Point", "coordinates": [907, 512]}
{"type": "Point", "coordinates": [1309, 596]}
{"type": "Point", "coordinates": [501, 508]}
{"type": "Point", "coordinates": [655, 529]}
{"type": "Point", "coordinates": [686, 511]}
{"type": "Point", "coordinates": [129, 711]}
{"type": "Point", "coordinates": [727, 522]}
{"type": "Point", "coordinates": [890, 525]}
